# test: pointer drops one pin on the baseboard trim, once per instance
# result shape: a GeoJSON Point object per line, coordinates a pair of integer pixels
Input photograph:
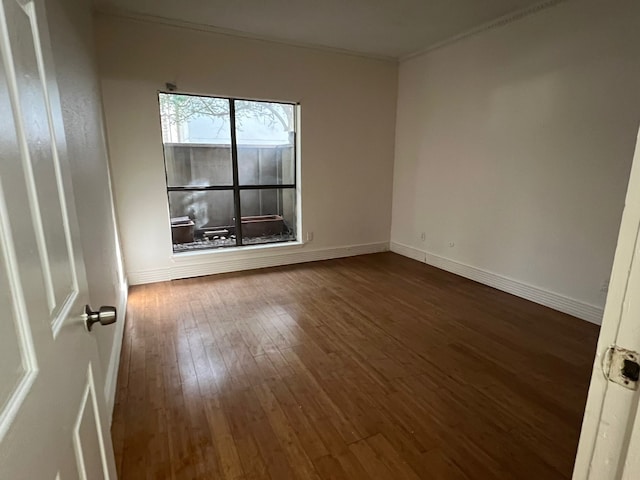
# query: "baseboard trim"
{"type": "Point", "coordinates": [407, 251]}
{"type": "Point", "coordinates": [142, 277]}
{"type": "Point", "coordinates": [585, 311]}
{"type": "Point", "coordinates": [111, 381]}
{"type": "Point", "coordinates": [250, 261]}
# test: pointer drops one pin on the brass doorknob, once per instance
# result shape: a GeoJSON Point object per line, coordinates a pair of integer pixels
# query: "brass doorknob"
{"type": "Point", "coordinates": [106, 316]}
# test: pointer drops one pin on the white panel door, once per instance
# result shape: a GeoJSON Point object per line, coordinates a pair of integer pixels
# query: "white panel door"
{"type": "Point", "coordinates": [52, 422]}
{"type": "Point", "coordinates": [609, 446]}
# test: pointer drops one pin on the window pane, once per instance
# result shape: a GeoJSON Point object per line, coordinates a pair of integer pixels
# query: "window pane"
{"type": "Point", "coordinates": [198, 165]}
{"type": "Point", "coordinates": [268, 215]}
{"type": "Point", "coordinates": [196, 133]}
{"type": "Point", "coordinates": [266, 142]}
{"type": "Point", "coordinates": [201, 220]}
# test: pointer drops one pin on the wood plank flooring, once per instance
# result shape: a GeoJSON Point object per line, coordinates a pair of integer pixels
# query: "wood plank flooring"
{"type": "Point", "coordinates": [371, 367]}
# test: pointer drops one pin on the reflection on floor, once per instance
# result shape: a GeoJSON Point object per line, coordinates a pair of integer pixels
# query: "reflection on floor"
{"type": "Point", "coordinates": [367, 367]}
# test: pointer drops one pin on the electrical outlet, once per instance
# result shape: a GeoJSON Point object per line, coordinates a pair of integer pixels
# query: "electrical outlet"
{"type": "Point", "coordinates": [423, 236]}
{"type": "Point", "coordinates": [309, 236]}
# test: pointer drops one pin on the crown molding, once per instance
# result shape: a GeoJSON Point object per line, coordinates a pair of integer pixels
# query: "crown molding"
{"type": "Point", "coordinates": [202, 27]}
{"type": "Point", "coordinates": [498, 22]}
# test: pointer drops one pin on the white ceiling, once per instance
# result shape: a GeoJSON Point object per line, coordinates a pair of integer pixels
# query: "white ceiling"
{"type": "Point", "coordinates": [391, 28]}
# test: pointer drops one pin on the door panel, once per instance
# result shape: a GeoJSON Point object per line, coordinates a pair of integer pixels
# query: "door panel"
{"type": "Point", "coordinates": [87, 436]}
{"type": "Point", "coordinates": [610, 437]}
{"type": "Point", "coordinates": [12, 368]}
{"type": "Point", "coordinates": [42, 164]}
{"type": "Point", "coordinates": [18, 365]}
{"type": "Point", "coordinates": [52, 422]}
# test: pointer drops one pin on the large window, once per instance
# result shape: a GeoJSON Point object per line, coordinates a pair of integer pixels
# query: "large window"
{"type": "Point", "coordinates": [231, 171]}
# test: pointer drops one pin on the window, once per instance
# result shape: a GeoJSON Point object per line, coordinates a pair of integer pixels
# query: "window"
{"type": "Point", "coordinates": [231, 171]}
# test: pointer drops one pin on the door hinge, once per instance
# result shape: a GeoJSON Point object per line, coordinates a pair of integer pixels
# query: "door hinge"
{"type": "Point", "coordinates": [621, 366]}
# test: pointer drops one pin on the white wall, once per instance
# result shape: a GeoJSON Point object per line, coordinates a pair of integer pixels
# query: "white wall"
{"type": "Point", "coordinates": [348, 120]}
{"type": "Point", "coordinates": [515, 145]}
{"type": "Point", "coordinates": [70, 26]}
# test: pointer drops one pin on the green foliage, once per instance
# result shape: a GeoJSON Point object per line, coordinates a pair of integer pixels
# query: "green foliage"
{"type": "Point", "coordinates": [178, 109]}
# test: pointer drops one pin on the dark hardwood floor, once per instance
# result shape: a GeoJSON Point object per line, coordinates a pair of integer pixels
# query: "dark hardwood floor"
{"type": "Point", "coordinates": [371, 367]}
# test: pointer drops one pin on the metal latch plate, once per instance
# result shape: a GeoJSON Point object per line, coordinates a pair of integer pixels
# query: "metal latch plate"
{"type": "Point", "coordinates": [622, 366]}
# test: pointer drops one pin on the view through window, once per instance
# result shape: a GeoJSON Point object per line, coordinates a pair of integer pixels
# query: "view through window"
{"type": "Point", "coordinates": [231, 171]}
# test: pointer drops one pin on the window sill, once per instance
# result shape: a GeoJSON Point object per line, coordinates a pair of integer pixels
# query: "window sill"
{"type": "Point", "coordinates": [235, 252]}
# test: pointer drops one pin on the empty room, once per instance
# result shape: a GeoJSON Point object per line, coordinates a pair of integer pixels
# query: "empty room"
{"type": "Point", "coordinates": [319, 240]}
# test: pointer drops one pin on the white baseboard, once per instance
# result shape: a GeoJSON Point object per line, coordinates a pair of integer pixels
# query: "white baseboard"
{"type": "Point", "coordinates": [219, 262]}
{"type": "Point", "coordinates": [408, 251]}
{"type": "Point", "coordinates": [585, 311]}
{"type": "Point", "coordinates": [111, 380]}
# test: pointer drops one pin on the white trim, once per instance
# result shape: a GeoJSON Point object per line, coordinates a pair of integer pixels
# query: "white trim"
{"type": "Point", "coordinates": [407, 251]}
{"type": "Point", "coordinates": [605, 450]}
{"type": "Point", "coordinates": [77, 442]}
{"type": "Point", "coordinates": [231, 252]}
{"type": "Point", "coordinates": [202, 27]}
{"type": "Point", "coordinates": [89, 393]}
{"type": "Point", "coordinates": [245, 260]}
{"type": "Point", "coordinates": [9, 260]}
{"type": "Point", "coordinates": [30, 9]}
{"type": "Point", "coordinates": [65, 310]}
{"type": "Point", "coordinates": [498, 22]}
{"type": "Point", "coordinates": [32, 191]}
{"type": "Point", "coordinates": [111, 380]}
{"type": "Point", "coordinates": [142, 277]}
{"type": "Point", "coordinates": [585, 311]}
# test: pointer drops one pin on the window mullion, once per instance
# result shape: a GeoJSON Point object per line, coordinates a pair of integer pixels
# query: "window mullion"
{"type": "Point", "coordinates": [236, 180]}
